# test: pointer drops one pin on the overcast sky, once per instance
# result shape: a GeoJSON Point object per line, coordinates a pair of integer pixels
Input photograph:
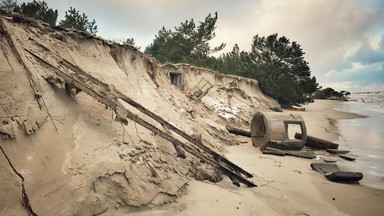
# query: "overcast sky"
{"type": "Point", "coordinates": [343, 39]}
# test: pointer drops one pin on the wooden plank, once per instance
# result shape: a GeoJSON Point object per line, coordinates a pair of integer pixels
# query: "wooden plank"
{"type": "Point", "coordinates": [348, 157]}
{"type": "Point", "coordinates": [279, 152]}
{"type": "Point", "coordinates": [106, 97]}
{"type": "Point", "coordinates": [158, 118]}
{"type": "Point", "coordinates": [196, 142]}
{"type": "Point", "coordinates": [273, 152]}
{"type": "Point", "coordinates": [301, 154]}
{"type": "Point", "coordinates": [335, 151]}
{"type": "Point", "coordinates": [233, 176]}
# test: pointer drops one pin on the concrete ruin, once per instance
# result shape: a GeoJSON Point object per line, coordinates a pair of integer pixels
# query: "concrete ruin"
{"type": "Point", "coordinates": [270, 129]}
{"type": "Point", "coordinates": [333, 173]}
{"type": "Point", "coordinates": [177, 79]}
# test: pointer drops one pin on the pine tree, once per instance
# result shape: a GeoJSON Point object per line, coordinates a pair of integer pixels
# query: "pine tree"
{"type": "Point", "coordinates": [280, 68]}
{"type": "Point", "coordinates": [7, 6]}
{"type": "Point", "coordinates": [187, 44]}
{"type": "Point", "coordinates": [73, 19]}
{"type": "Point", "coordinates": [38, 10]}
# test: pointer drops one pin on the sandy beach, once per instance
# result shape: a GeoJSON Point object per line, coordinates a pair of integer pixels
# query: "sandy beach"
{"type": "Point", "coordinates": [286, 185]}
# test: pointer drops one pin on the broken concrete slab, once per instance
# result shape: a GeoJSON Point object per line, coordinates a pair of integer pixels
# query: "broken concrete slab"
{"type": "Point", "coordinates": [333, 172]}
{"type": "Point", "coordinates": [345, 176]}
{"type": "Point", "coordinates": [329, 159]}
{"type": "Point", "coordinates": [325, 169]}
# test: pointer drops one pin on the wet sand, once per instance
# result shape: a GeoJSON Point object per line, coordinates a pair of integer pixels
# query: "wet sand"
{"type": "Point", "coordinates": [364, 137]}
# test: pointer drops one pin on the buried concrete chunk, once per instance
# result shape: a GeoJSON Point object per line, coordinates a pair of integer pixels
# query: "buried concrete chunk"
{"type": "Point", "coordinates": [333, 172]}
{"type": "Point", "coordinates": [345, 176]}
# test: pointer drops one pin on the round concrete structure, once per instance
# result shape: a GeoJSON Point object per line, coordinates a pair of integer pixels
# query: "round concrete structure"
{"type": "Point", "coordinates": [272, 127]}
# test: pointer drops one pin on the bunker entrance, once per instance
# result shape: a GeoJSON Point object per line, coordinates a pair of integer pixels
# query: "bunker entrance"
{"type": "Point", "coordinates": [177, 79]}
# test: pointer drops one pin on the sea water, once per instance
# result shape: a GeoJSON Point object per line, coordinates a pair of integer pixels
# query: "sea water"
{"type": "Point", "coordinates": [364, 137]}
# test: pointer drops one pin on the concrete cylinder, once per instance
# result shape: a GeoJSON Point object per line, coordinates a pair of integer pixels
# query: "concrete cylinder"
{"type": "Point", "coordinates": [272, 127]}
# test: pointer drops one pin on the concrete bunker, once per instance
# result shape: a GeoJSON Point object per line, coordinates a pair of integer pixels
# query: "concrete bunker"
{"type": "Point", "coordinates": [177, 79]}
{"type": "Point", "coordinates": [270, 129]}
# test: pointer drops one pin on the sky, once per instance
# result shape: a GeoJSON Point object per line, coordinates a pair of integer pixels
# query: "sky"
{"type": "Point", "coordinates": [343, 40]}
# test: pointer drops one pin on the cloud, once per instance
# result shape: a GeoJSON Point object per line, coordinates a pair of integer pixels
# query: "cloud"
{"type": "Point", "coordinates": [143, 19]}
{"type": "Point", "coordinates": [366, 55]}
{"type": "Point", "coordinates": [326, 31]}
{"type": "Point", "coordinates": [354, 87]}
{"type": "Point", "coordinates": [355, 78]}
{"type": "Point", "coordinates": [367, 72]}
{"type": "Point", "coordinates": [339, 86]}
{"type": "Point", "coordinates": [334, 34]}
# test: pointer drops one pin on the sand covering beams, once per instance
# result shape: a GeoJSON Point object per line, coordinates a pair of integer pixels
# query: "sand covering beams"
{"type": "Point", "coordinates": [74, 157]}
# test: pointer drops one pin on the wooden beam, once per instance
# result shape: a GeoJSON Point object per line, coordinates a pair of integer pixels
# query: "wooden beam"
{"type": "Point", "coordinates": [318, 143]}
{"type": "Point", "coordinates": [238, 131]}
{"type": "Point", "coordinates": [107, 97]}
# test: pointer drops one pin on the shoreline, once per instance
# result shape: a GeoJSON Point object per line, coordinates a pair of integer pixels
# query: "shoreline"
{"type": "Point", "coordinates": [364, 200]}
{"type": "Point", "coordinates": [286, 185]}
{"type": "Point", "coordinates": [364, 138]}
{"type": "Point", "coordinates": [322, 116]}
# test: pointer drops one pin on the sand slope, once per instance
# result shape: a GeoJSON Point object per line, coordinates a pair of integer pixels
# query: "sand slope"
{"type": "Point", "coordinates": [75, 159]}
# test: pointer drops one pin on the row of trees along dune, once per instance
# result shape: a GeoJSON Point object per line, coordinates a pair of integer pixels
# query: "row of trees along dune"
{"type": "Point", "coordinates": [40, 10]}
{"type": "Point", "coordinates": [276, 62]}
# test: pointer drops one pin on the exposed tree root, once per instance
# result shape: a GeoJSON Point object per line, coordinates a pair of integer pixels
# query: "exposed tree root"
{"type": "Point", "coordinates": [24, 195]}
